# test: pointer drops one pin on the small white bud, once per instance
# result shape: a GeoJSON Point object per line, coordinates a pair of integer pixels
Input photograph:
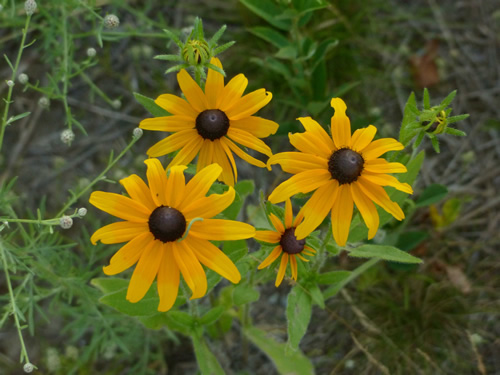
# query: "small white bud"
{"type": "Point", "coordinates": [30, 7]}
{"type": "Point", "coordinates": [66, 222]}
{"type": "Point", "coordinates": [91, 52]}
{"type": "Point", "coordinates": [116, 104]}
{"type": "Point", "coordinates": [137, 133]}
{"type": "Point", "coordinates": [23, 78]}
{"type": "Point", "coordinates": [67, 136]}
{"type": "Point", "coordinates": [350, 364]}
{"type": "Point", "coordinates": [10, 83]}
{"type": "Point", "coordinates": [28, 367]}
{"type": "Point", "coordinates": [82, 211]}
{"type": "Point", "coordinates": [44, 102]}
{"type": "Point", "coordinates": [111, 21]}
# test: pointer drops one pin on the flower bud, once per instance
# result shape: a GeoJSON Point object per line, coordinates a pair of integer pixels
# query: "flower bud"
{"type": "Point", "coordinates": [10, 83]}
{"type": "Point", "coordinates": [137, 133]}
{"type": "Point", "coordinates": [82, 211]}
{"type": "Point", "coordinates": [23, 78]}
{"type": "Point", "coordinates": [91, 52]}
{"type": "Point", "coordinates": [44, 102]}
{"type": "Point", "coordinates": [66, 222]}
{"type": "Point", "coordinates": [116, 104]}
{"type": "Point", "coordinates": [30, 7]}
{"type": "Point", "coordinates": [67, 136]}
{"type": "Point", "coordinates": [28, 367]}
{"type": "Point", "coordinates": [111, 21]}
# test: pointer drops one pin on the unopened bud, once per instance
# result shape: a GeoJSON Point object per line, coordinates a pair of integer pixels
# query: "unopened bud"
{"type": "Point", "coordinates": [28, 367]}
{"type": "Point", "coordinates": [44, 102]}
{"type": "Point", "coordinates": [137, 133]}
{"type": "Point", "coordinates": [111, 21]}
{"type": "Point", "coordinates": [116, 104]}
{"type": "Point", "coordinates": [66, 222]}
{"type": "Point", "coordinates": [23, 78]}
{"type": "Point", "coordinates": [10, 83]}
{"type": "Point", "coordinates": [30, 7]}
{"type": "Point", "coordinates": [67, 136]}
{"type": "Point", "coordinates": [82, 212]}
{"type": "Point", "coordinates": [91, 52]}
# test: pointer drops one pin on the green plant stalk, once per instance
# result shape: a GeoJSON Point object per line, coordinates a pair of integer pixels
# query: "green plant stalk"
{"type": "Point", "coordinates": [67, 110]}
{"type": "Point", "coordinates": [24, 353]}
{"type": "Point", "coordinates": [13, 77]}
{"type": "Point", "coordinates": [94, 87]}
{"type": "Point", "coordinates": [75, 197]}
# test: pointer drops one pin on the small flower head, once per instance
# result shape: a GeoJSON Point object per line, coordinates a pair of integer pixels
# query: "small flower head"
{"type": "Point", "coordinates": [82, 212]}
{"type": "Point", "coordinates": [111, 21]}
{"type": "Point", "coordinates": [28, 367]}
{"type": "Point", "coordinates": [117, 103]}
{"type": "Point", "coordinates": [10, 83]}
{"type": "Point", "coordinates": [30, 7]}
{"type": "Point", "coordinates": [137, 133]}
{"type": "Point", "coordinates": [23, 78]}
{"type": "Point", "coordinates": [91, 52]}
{"type": "Point", "coordinates": [44, 102]}
{"type": "Point", "coordinates": [66, 222]}
{"type": "Point", "coordinates": [287, 244]}
{"type": "Point", "coordinates": [67, 136]}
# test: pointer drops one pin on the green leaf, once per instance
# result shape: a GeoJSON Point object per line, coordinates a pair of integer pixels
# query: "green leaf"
{"type": "Point", "coordinates": [383, 252]}
{"type": "Point", "coordinates": [180, 321]}
{"type": "Point", "coordinates": [270, 35]}
{"type": "Point", "coordinates": [447, 101]}
{"type": "Point", "coordinates": [455, 132]}
{"type": "Point", "coordinates": [215, 38]}
{"type": "Point", "coordinates": [305, 6]}
{"type": "Point", "coordinates": [435, 142]}
{"type": "Point", "coordinates": [17, 117]}
{"type": "Point", "coordinates": [269, 11]}
{"type": "Point", "coordinates": [427, 99]}
{"type": "Point", "coordinates": [208, 363]}
{"type": "Point", "coordinates": [212, 315]}
{"type": "Point", "coordinates": [109, 284]}
{"type": "Point", "coordinates": [298, 312]}
{"type": "Point", "coordinates": [316, 294]}
{"type": "Point", "coordinates": [150, 105]}
{"type": "Point", "coordinates": [168, 57]}
{"type": "Point", "coordinates": [155, 321]}
{"type": "Point", "coordinates": [286, 363]}
{"type": "Point", "coordinates": [407, 131]}
{"type": "Point", "coordinates": [332, 277]}
{"type": "Point", "coordinates": [432, 194]}
{"type": "Point", "coordinates": [288, 53]}
{"type": "Point", "coordinates": [244, 293]}
{"type": "Point", "coordinates": [453, 119]}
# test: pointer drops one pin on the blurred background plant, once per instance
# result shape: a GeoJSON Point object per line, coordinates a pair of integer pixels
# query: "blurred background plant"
{"type": "Point", "coordinates": [82, 60]}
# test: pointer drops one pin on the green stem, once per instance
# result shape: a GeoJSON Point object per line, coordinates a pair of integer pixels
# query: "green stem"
{"type": "Point", "coordinates": [67, 110]}
{"type": "Point", "coordinates": [24, 353]}
{"type": "Point", "coordinates": [13, 77]}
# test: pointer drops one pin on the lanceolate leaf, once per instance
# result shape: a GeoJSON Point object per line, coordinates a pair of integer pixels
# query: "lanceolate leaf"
{"type": "Point", "coordinates": [298, 313]}
{"type": "Point", "coordinates": [150, 105]}
{"type": "Point", "coordinates": [383, 252]}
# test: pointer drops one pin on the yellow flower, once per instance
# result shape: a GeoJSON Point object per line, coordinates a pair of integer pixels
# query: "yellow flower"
{"type": "Point", "coordinates": [288, 246]}
{"type": "Point", "coordinates": [343, 170]}
{"type": "Point", "coordinates": [209, 123]}
{"type": "Point", "coordinates": [156, 221]}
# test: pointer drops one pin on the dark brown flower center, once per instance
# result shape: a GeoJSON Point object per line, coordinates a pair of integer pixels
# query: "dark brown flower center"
{"type": "Point", "coordinates": [345, 165]}
{"type": "Point", "coordinates": [289, 242]}
{"type": "Point", "coordinates": [167, 224]}
{"type": "Point", "coordinates": [212, 124]}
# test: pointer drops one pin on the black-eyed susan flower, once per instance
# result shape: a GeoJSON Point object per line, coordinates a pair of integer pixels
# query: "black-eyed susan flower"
{"type": "Point", "coordinates": [210, 123]}
{"type": "Point", "coordinates": [168, 227]}
{"type": "Point", "coordinates": [287, 244]}
{"type": "Point", "coordinates": [343, 170]}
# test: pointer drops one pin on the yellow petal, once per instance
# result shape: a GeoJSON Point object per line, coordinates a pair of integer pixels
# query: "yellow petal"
{"type": "Point", "coordinates": [175, 188]}
{"type": "Point", "coordinates": [271, 257]}
{"type": "Point", "coordinates": [176, 106]}
{"type": "Point", "coordinates": [309, 143]}
{"type": "Point", "coordinates": [220, 158]}
{"type": "Point", "coordinates": [259, 127]}
{"type": "Point", "coordinates": [313, 127]}
{"type": "Point", "coordinates": [192, 91]}
{"type": "Point", "coordinates": [188, 152]}
{"type": "Point", "coordinates": [293, 266]}
{"type": "Point", "coordinates": [296, 162]}
{"type": "Point", "coordinates": [145, 272]}
{"type": "Point", "coordinates": [340, 124]}
{"type": "Point", "coordinates": [210, 256]}
{"type": "Point", "coordinates": [282, 270]}
{"type": "Point", "coordinates": [208, 207]}
{"type": "Point", "coordinates": [201, 182]}
{"type": "Point", "coordinates": [230, 157]}
{"type": "Point", "coordinates": [168, 279]}
{"type": "Point", "coordinates": [277, 223]}
{"type": "Point", "coordinates": [303, 182]}
{"type": "Point", "coordinates": [269, 236]}
{"type": "Point", "coordinates": [129, 254]}
{"type": "Point", "coordinates": [381, 146]}
{"type": "Point", "coordinates": [138, 191]}
{"type": "Point", "coordinates": [362, 138]}
{"type": "Point", "coordinates": [214, 84]}
{"type": "Point", "coordinates": [249, 104]}
{"type": "Point", "coordinates": [173, 142]}
{"type": "Point", "coordinates": [206, 155]}
{"type": "Point", "coordinates": [121, 231]}
{"type": "Point", "coordinates": [288, 213]}
{"type": "Point", "coordinates": [232, 92]}
{"type": "Point", "coordinates": [221, 230]}
{"type": "Point", "coordinates": [342, 214]}
{"type": "Point", "coordinates": [196, 271]}
{"type": "Point", "coordinates": [317, 207]}
{"type": "Point", "coordinates": [248, 140]}
{"type": "Point", "coordinates": [378, 195]}
{"type": "Point", "coordinates": [383, 166]}
{"type": "Point", "coordinates": [120, 206]}
{"type": "Point", "coordinates": [177, 251]}
{"type": "Point", "coordinates": [157, 179]}
{"type": "Point", "coordinates": [388, 180]}
{"type": "Point", "coordinates": [243, 155]}
{"type": "Point", "coordinates": [367, 209]}
{"type": "Point", "coordinates": [168, 123]}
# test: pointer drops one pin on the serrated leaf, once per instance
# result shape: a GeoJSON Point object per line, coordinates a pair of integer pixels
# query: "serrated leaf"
{"type": "Point", "coordinates": [150, 105]}
{"type": "Point", "coordinates": [298, 313]}
{"type": "Point", "coordinates": [432, 194]}
{"type": "Point", "coordinates": [269, 11]}
{"type": "Point", "coordinates": [286, 363]}
{"type": "Point", "coordinates": [383, 252]}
